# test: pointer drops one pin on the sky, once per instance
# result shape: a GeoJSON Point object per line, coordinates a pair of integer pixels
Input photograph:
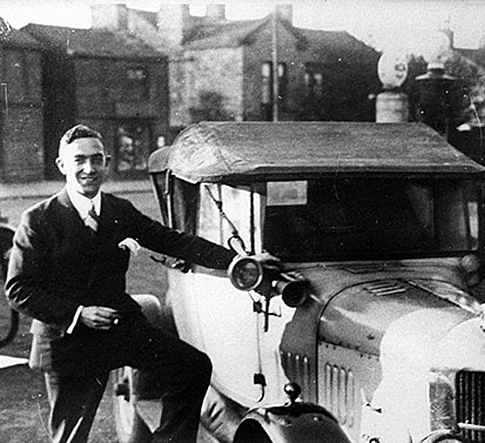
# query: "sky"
{"type": "Point", "coordinates": [402, 26]}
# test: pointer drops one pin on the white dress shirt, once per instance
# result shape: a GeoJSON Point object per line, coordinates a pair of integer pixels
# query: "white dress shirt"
{"type": "Point", "coordinates": [82, 205]}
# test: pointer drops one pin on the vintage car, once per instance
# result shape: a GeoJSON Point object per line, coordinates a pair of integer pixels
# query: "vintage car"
{"type": "Point", "coordinates": [373, 331]}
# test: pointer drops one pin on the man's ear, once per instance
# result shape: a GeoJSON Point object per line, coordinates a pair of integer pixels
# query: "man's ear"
{"type": "Point", "coordinates": [60, 165]}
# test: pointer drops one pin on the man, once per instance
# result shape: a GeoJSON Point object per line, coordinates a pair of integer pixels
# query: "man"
{"type": "Point", "coordinates": [67, 271]}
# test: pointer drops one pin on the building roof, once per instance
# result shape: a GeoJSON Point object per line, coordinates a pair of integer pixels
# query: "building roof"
{"type": "Point", "coordinates": [11, 37]}
{"type": "Point", "coordinates": [234, 151]}
{"type": "Point", "coordinates": [475, 55]}
{"type": "Point", "coordinates": [221, 35]}
{"type": "Point", "coordinates": [229, 33]}
{"type": "Point", "coordinates": [340, 42]}
{"type": "Point", "coordinates": [91, 42]}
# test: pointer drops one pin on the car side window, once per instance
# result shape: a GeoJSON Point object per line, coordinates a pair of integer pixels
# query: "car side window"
{"type": "Point", "coordinates": [210, 221]}
{"type": "Point", "coordinates": [178, 201]}
{"type": "Point", "coordinates": [226, 210]}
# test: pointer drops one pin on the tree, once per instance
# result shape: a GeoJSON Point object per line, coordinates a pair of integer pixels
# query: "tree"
{"type": "Point", "coordinates": [211, 108]}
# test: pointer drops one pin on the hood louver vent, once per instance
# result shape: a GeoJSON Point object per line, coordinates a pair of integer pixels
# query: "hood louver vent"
{"type": "Point", "coordinates": [383, 288]}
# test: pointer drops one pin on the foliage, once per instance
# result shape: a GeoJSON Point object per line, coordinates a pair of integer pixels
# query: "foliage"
{"type": "Point", "coordinates": [465, 94]}
{"type": "Point", "coordinates": [211, 108]}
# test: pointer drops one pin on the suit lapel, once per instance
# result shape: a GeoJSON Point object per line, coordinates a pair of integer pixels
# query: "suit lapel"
{"type": "Point", "coordinates": [69, 218]}
{"type": "Point", "coordinates": [73, 219]}
{"type": "Point", "coordinates": [69, 214]}
{"type": "Point", "coordinates": [109, 223]}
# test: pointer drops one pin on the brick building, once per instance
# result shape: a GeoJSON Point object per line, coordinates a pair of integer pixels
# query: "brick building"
{"type": "Point", "coordinates": [21, 112]}
{"type": "Point", "coordinates": [222, 69]}
{"type": "Point", "coordinates": [111, 81]}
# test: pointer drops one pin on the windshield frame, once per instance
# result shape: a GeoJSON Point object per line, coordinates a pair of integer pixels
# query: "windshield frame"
{"type": "Point", "coordinates": [393, 255]}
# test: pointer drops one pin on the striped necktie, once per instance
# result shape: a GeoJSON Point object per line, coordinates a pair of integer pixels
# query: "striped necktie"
{"type": "Point", "coordinates": [92, 220]}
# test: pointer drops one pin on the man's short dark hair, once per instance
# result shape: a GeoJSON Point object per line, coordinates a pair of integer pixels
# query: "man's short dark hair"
{"type": "Point", "coordinates": [78, 131]}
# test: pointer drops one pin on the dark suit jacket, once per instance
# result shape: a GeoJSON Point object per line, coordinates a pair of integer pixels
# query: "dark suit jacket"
{"type": "Point", "coordinates": [56, 265]}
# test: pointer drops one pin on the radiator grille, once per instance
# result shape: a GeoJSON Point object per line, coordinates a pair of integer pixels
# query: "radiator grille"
{"type": "Point", "coordinates": [339, 393]}
{"type": "Point", "coordinates": [470, 405]}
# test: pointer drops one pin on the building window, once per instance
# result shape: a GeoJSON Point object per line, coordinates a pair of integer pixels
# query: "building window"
{"type": "Point", "coordinates": [267, 88]}
{"type": "Point", "coordinates": [313, 81]}
{"type": "Point", "coordinates": [136, 74]}
{"type": "Point", "coordinates": [137, 82]}
{"type": "Point", "coordinates": [132, 147]}
{"type": "Point", "coordinates": [316, 93]}
{"type": "Point", "coordinates": [282, 85]}
{"type": "Point", "coordinates": [267, 74]}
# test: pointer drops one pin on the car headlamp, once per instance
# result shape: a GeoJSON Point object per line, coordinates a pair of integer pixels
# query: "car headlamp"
{"type": "Point", "coordinates": [247, 274]}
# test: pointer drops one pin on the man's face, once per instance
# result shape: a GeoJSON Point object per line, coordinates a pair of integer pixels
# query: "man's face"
{"type": "Point", "coordinates": [84, 164]}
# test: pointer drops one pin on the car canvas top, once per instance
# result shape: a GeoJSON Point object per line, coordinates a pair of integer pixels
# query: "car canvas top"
{"type": "Point", "coordinates": [214, 151]}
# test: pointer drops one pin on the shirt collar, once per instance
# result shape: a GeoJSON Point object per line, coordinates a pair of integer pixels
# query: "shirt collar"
{"type": "Point", "coordinates": [84, 204]}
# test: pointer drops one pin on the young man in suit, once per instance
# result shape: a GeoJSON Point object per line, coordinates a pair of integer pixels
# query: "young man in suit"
{"type": "Point", "coordinates": [67, 271]}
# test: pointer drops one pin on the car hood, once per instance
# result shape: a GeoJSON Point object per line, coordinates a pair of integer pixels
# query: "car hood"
{"type": "Point", "coordinates": [353, 304]}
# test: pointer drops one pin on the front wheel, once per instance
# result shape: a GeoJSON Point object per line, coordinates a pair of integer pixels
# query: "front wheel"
{"type": "Point", "coordinates": [130, 427]}
{"type": "Point", "coordinates": [251, 432]}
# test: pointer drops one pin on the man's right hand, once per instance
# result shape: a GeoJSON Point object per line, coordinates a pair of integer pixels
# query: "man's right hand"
{"type": "Point", "coordinates": [99, 317]}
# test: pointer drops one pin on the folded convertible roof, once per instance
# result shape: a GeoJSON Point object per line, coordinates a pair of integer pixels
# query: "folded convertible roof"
{"type": "Point", "coordinates": [225, 151]}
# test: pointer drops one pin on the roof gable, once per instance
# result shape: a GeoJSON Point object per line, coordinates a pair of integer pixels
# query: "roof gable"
{"type": "Point", "coordinates": [220, 35]}
{"type": "Point", "coordinates": [91, 42]}
{"type": "Point", "coordinates": [231, 33]}
{"type": "Point", "coordinates": [14, 38]}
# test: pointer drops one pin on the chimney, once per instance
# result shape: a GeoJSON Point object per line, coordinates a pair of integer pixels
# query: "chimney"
{"type": "Point", "coordinates": [285, 12]}
{"type": "Point", "coordinates": [109, 16]}
{"type": "Point", "coordinates": [446, 29]}
{"type": "Point", "coordinates": [215, 11]}
{"type": "Point", "coordinates": [172, 21]}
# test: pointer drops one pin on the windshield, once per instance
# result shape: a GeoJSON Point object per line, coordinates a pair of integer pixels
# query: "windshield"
{"type": "Point", "coordinates": [365, 219]}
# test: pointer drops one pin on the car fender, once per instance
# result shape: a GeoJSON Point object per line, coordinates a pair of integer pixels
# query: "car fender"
{"type": "Point", "coordinates": [147, 385]}
{"type": "Point", "coordinates": [292, 423]}
{"type": "Point", "coordinates": [151, 308]}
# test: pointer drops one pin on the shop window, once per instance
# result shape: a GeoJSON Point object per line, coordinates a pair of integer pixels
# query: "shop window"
{"type": "Point", "coordinates": [137, 80]}
{"type": "Point", "coordinates": [132, 147]}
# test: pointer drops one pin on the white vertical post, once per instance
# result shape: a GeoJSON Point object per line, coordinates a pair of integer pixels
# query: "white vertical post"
{"type": "Point", "coordinates": [274, 45]}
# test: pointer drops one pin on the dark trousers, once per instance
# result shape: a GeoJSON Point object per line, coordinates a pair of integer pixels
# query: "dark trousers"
{"type": "Point", "coordinates": [183, 370]}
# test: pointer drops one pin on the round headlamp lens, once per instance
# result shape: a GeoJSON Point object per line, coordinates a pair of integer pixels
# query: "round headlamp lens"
{"type": "Point", "coordinates": [245, 273]}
